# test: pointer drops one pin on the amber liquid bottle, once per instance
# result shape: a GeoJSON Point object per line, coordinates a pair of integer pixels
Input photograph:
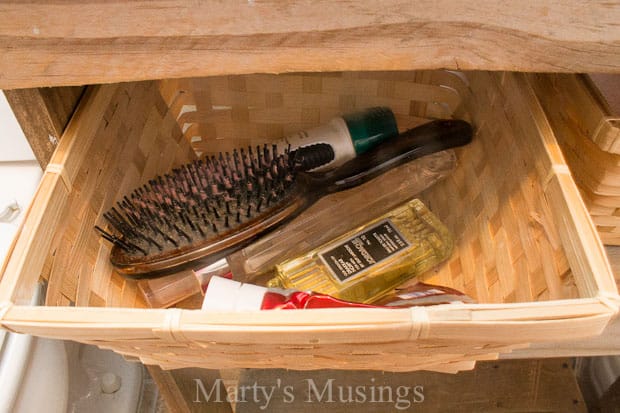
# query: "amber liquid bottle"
{"type": "Point", "coordinates": [371, 260]}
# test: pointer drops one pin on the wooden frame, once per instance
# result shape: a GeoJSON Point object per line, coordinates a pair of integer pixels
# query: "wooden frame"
{"type": "Point", "coordinates": [43, 114]}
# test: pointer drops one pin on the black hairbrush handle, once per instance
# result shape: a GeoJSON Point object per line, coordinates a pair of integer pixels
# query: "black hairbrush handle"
{"type": "Point", "coordinates": [423, 140]}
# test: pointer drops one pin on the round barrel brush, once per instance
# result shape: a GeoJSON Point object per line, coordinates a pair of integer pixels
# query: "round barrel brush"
{"type": "Point", "coordinates": [207, 209]}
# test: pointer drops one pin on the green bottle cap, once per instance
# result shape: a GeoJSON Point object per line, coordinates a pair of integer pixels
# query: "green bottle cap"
{"type": "Point", "coordinates": [370, 127]}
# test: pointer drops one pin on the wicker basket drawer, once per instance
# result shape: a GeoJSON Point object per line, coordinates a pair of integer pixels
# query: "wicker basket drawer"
{"type": "Point", "coordinates": [588, 131]}
{"type": "Point", "coordinates": [526, 248]}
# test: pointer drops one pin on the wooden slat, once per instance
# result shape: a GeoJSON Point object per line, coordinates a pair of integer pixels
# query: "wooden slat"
{"type": "Point", "coordinates": [74, 43]}
{"type": "Point", "coordinates": [507, 386]}
{"type": "Point", "coordinates": [20, 271]}
{"type": "Point", "coordinates": [608, 343]}
{"type": "Point", "coordinates": [605, 344]}
{"type": "Point", "coordinates": [188, 381]}
{"type": "Point", "coordinates": [501, 323]}
{"type": "Point", "coordinates": [169, 389]}
{"type": "Point", "coordinates": [43, 114]}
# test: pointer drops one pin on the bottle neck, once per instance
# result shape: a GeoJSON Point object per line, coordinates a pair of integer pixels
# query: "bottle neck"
{"type": "Point", "coordinates": [219, 268]}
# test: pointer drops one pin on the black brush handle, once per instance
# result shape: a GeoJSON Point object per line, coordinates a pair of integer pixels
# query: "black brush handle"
{"type": "Point", "coordinates": [414, 143]}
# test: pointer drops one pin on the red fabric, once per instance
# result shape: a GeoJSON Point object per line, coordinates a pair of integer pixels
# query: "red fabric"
{"type": "Point", "coordinates": [303, 300]}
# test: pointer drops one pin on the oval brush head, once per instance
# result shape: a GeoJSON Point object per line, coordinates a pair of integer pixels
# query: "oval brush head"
{"type": "Point", "coordinates": [207, 209]}
{"type": "Point", "coordinates": [200, 203]}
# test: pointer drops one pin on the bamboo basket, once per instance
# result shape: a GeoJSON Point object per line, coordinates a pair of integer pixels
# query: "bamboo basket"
{"type": "Point", "coordinates": [526, 247]}
{"type": "Point", "coordinates": [588, 131]}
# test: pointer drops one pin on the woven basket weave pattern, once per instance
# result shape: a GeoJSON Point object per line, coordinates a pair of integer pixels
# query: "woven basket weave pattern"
{"type": "Point", "coordinates": [589, 139]}
{"type": "Point", "coordinates": [524, 241]}
{"type": "Point", "coordinates": [223, 113]}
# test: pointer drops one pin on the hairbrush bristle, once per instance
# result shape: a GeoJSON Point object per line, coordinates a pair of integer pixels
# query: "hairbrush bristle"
{"type": "Point", "coordinates": [200, 200]}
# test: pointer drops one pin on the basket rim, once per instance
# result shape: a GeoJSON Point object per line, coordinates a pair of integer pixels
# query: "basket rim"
{"type": "Point", "coordinates": [530, 322]}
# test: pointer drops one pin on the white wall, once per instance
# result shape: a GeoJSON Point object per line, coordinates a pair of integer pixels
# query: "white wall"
{"type": "Point", "coordinates": [20, 173]}
{"type": "Point", "coordinates": [13, 144]}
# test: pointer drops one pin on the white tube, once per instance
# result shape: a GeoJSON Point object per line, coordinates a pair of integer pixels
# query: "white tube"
{"type": "Point", "coordinates": [334, 133]}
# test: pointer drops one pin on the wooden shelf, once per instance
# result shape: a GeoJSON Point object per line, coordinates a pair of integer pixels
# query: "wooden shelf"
{"type": "Point", "coordinates": [86, 42]}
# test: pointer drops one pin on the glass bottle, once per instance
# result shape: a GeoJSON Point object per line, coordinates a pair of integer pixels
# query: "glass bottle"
{"type": "Point", "coordinates": [372, 259]}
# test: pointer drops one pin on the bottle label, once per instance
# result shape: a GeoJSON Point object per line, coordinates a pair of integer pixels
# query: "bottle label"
{"type": "Point", "coordinates": [363, 250]}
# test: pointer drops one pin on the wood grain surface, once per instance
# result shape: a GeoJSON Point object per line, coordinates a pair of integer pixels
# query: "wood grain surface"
{"type": "Point", "coordinates": [43, 114]}
{"type": "Point", "coordinates": [75, 43]}
{"type": "Point", "coordinates": [506, 386]}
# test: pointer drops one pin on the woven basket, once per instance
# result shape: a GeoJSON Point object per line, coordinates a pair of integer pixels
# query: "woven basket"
{"type": "Point", "coordinates": [589, 135]}
{"type": "Point", "coordinates": [526, 248]}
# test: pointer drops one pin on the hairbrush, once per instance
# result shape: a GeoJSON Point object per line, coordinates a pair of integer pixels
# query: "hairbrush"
{"type": "Point", "coordinates": [209, 208]}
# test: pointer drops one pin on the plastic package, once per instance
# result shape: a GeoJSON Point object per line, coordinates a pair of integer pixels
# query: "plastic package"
{"type": "Point", "coordinates": [228, 295]}
{"type": "Point", "coordinates": [329, 218]}
{"type": "Point", "coordinates": [336, 214]}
